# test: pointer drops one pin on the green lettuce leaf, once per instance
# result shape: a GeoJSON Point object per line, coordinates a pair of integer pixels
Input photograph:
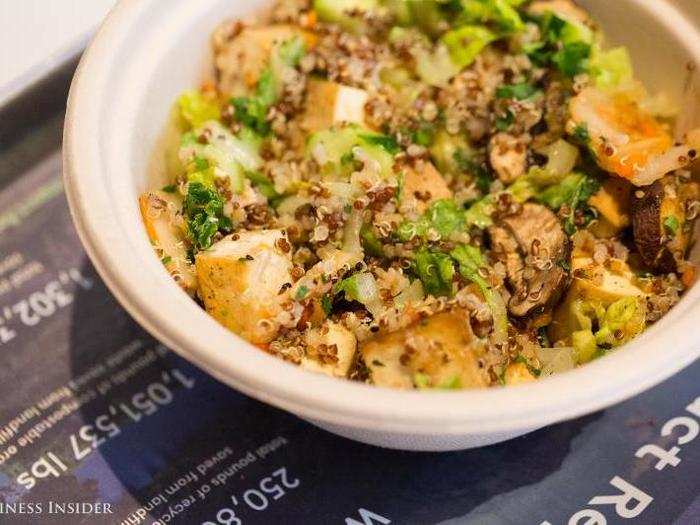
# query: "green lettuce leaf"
{"type": "Point", "coordinates": [435, 270]}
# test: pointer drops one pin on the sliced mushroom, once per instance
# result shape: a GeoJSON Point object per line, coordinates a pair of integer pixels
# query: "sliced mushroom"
{"type": "Point", "coordinates": [532, 244]}
{"type": "Point", "coordinates": [662, 232]}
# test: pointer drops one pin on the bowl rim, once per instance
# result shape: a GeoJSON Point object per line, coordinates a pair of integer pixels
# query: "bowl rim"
{"type": "Point", "coordinates": [101, 209]}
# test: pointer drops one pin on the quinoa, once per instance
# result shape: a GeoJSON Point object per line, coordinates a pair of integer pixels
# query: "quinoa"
{"type": "Point", "coordinates": [359, 194]}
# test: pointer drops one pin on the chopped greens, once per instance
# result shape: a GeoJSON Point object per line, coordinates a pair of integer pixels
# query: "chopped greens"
{"type": "Point", "coordinates": [482, 176]}
{"type": "Point", "coordinates": [370, 241]}
{"type": "Point", "coordinates": [566, 44]}
{"type": "Point", "coordinates": [204, 209]}
{"type": "Point", "coordinates": [252, 111]}
{"type": "Point", "coordinates": [671, 225]}
{"type": "Point", "coordinates": [520, 91]}
{"type": "Point", "coordinates": [505, 121]}
{"type": "Point", "coordinates": [572, 59]}
{"type": "Point", "coordinates": [385, 142]}
{"type": "Point", "coordinates": [442, 218]}
{"type": "Point", "coordinates": [302, 292]}
{"type": "Point", "coordinates": [338, 149]}
{"type": "Point", "coordinates": [361, 287]}
{"type": "Point", "coordinates": [581, 134]}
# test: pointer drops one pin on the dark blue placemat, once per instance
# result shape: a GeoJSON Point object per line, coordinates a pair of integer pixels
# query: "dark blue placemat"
{"type": "Point", "coordinates": [93, 410]}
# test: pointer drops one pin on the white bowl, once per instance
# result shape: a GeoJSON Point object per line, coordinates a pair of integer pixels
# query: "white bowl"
{"type": "Point", "coordinates": [145, 54]}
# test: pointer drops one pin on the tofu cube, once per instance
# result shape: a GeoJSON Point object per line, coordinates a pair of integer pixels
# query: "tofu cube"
{"type": "Point", "coordinates": [331, 350]}
{"type": "Point", "coordinates": [613, 204]}
{"type": "Point", "coordinates": [422, 186]}
{"type": "Point", "coordinates": [166, 229]}
{"type": "Point", "coordinates": [441, 351]}
{"type": "Point", "coordinates": [518, 374]}
{"type": "Point", "coordinates": [593, 282]}
{"type": "Point", "coordinates": [240, 278]}
{"type": "Point", "coordinates": [329, 103]}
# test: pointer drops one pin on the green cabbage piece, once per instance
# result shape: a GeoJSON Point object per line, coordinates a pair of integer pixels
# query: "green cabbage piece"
{"type": "Point", "coordinates": [585, 346]}
{"type": "Point", "coordinates": [196, 109]}
{"type": "Point", "coordinates": [447, 149]}
{"type": "Point", "coordinates": [435, 67]}
{"type": "Point", "coordinates": [205, 176]}
{"type": "Point", "coordinates": [466, 42]}
{"type": "Point", "coordinates": [361, 287]}
{"type": "Point", "coordinates": [568, 191]}
{"type": "Point", "coordinates": [337, 149]}
{"type": "Point", "coordinates": [433, 63]}
{"type": "Point", "coordinates": [479, 213]}
{"type": "Point", "coordinates": [226, 155]}
{"type": "Point", "coordinates": [574, 191]}
{"type": "Point", "coordinates": [291, 51]}
{"type": "Point", "coordinates": [550, 184]}
{"type": "Point", "coordinates": [470, 261]}
{"type": "Point", "coordinates": [443, 216]}
{"type": "Point", "coordinates": [500, 13]}
{"type": "Point", "coordinates": [400, 10]}
{"type": "Point", "coordinates": [611, 68]}
{"type": "Point", "coordinates": [624, 320]}
{"type": "Point", "coordinates": [559, 27]}
{"type": "Point", "coordinates": [435, 270]}
{"type": "Point", "coordinates": [429, 15]}
{"type": "Point", "coordinates": [264, 185]}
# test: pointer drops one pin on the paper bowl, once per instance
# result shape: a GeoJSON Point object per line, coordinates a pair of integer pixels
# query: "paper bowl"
{"type": "Point", "coordinates": [145, 54]}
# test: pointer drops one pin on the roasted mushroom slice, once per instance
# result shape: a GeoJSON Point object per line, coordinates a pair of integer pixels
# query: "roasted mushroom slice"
{"type": "Point", "coordinates": [662, 231]}
{"type": "Point", "coordinates": [532, 245]}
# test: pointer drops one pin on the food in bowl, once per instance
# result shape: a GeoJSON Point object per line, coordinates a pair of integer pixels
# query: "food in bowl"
{"type": "Point", "coordinates": [430, 195]}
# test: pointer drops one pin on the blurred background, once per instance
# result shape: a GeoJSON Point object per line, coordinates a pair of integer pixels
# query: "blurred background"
{"type": "Point", "coordinates": [37, 35]}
